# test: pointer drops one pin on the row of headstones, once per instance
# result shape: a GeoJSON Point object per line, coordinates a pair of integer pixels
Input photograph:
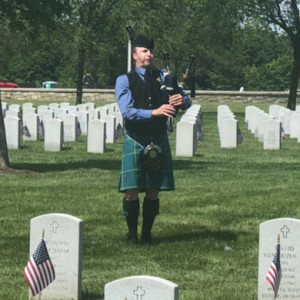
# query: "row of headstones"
{"type": "Point", "coordinates": [229, 131]}
{"type": "Point", "coordinates": [63, 235]}
{"type": "Point", "coordinates": [271, 127]}
{"type": "Point", "coordinates": [289, 119]}
{"type": "Point", "coordinates": [189, 131]}
{"type": "Point", "coordinates": [62, 122]}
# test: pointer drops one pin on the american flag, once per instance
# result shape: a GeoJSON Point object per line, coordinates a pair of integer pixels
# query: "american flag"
{"type": "Point", "coordinates": [39, 271]}
{"type": "Point", "coordinates": [25, 131]}
{"type": "Point", "coordinates": [274, 273]}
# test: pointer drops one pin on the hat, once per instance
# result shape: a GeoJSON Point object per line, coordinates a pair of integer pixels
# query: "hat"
{"type": "Point", "coordinates": [142, 41]}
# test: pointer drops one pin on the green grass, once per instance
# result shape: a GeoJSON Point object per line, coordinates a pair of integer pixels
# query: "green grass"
{"type": "Point", "coordinates": [221, 197]}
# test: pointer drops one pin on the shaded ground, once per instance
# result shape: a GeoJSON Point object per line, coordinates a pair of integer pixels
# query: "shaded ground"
{"type": "Point", "coordinates": [14, 171]}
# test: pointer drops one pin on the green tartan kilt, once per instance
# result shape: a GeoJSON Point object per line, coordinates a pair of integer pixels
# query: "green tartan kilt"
{"type": "Point", "coordinates": [134, 176]}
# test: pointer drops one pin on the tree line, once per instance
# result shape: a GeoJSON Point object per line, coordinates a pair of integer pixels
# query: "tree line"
{"type": "Point", "coordinates": [231, 49]}
{"type": "Point", "coordinates": [249, 43]}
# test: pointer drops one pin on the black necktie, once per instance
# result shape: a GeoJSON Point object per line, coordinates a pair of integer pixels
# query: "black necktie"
{"type": "Point", "coordinates": [147, 75]}
{"type": "Point", "coordinates": [148, 84]}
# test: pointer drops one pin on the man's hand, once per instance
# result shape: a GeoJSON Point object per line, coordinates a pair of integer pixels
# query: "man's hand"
{"type": "Point", "coordinates": [167, 110]}
{"type": "Point", "coordinates": [176, 100]}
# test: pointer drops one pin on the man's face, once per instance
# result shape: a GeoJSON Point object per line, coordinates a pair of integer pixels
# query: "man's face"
{"type": "Point", "coordinates": [143, 56]}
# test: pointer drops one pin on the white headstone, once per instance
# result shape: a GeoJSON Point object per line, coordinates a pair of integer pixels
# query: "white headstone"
{"type": "Point", "coordinates": [41, 108]}
{"type": "Point", "coordinates": [110, 129]}
{"type": "Point", "coordinates": [272, 135]}
{"type": "Point", "coordinates": [53, 135]}
{"type": "Point", "coordinates": [111, 108]}
{"type": "Point", "coordinates": [261, 125]}
{"type": "Point", "coordinates": [96, 136]}
{"type": "Point", "coordinates": [29, 110]}
{"type": "Point", "coordinates": [53, 106]}
{"type": "Point", "coordinates": [31, 120]}
{"type": "Point", "coordinates": [16, 107]}
{"type": "Point", "coordinates": [26, 105]}
{"type": "Point", "coordinates": [73, 109]}
{"type": "Point", "coordinates": [61, 112]}
{"type": "Point", "coordinates": [46, 114]}
{"type": "Point", "coordinates": [141, 288]}
{"type": "Point", "coordinates": [4, 105]}
{"type": "Point", "coordinates": [228, 133]}
{"type": "Point", "coordinates": [94, 114]}
{"type": "Point", "coordinates": [289, 231]}
{"type": "Point", "coordinates": [83, 119]}
{"type": "Point", "coordinates": [250, 113]}
{"type": "Point", "coordinates": [64, 104]}
{"type": "Point", "coordinates": [70, 123]}
{"type": "Point", "coordinates": [286, 120]}
{"type": "Point", "coordinates": [12, 113]}
{"type": "Point", "coordinates": [90, 105]}
{"type": "Point", "coordinates": [63, 237]}
{"type": "Point", "coordinates": [82, 107]}
{"type": "Point", "coordinates": [103, 111]}
{"type": "Point", "coordinates": [295, 125]}
{"type": "Point", "coordinates": [274, 110]}
{"type": "Point", "coordinates": [186, 138]}
{"type": "Point", "coordinates": [12, 132]}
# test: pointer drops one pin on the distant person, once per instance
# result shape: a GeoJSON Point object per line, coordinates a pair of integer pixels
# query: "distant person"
{"type": "Point", "coordinates": [146, 162]}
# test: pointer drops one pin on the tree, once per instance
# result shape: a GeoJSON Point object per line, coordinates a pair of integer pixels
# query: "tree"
{"type": "Point", "coordinates": [283, 15]}
{"type": "Point", "coordinates": [4, 161]}
{"type": "Point", "coordinates": [19, 15]}
{"type": "Point", "coordinates": [86, 23]}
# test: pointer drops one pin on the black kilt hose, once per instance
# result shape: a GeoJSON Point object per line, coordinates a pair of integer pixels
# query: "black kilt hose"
{"type": "Point", "coordinates": [133, 174]}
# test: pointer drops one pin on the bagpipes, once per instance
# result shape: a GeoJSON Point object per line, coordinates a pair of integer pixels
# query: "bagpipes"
{"type": "Point", "coordinates": [171, 84]}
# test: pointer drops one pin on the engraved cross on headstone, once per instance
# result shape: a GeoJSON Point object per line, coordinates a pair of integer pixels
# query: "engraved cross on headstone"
{"type": "Point", "coordinates": [54, 226]}
{"type": "Point", "coordinates": [139, 292]}
{"type": "Point", "coordinates": [285, 230]}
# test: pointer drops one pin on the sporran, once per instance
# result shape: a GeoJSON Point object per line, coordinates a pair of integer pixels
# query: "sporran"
{"type": "Point", "coordinates": [152, 157]}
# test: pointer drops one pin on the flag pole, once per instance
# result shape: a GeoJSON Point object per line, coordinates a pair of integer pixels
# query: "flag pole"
{"type": "Point", "coordinates": [278, 242]}
{"type": "Point", "coordinates": [43, 235]}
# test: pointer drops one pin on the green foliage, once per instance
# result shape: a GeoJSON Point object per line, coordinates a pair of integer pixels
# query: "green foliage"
{"type": "Point", "coordinates": [229, 51]}
{"type": "Point", "coordinates": [221, 197]}
{"type": "Point", "coordinates": [271, 76]}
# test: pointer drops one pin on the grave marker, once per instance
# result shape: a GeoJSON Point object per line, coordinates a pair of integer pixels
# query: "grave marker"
{"type": "Point", "coordinates": [186, 138]}
{"type": "Point", "coordinates": [289, 231]}
{"type": "Point", "coordinates": [272, 134]}
{"type": "Point", "coordinates": [96, 136]}
{"type": "Point", "coordinates": [63, 237]}
{"type": "Point", "coordinates": [53, 135]}
{"type": "Point", "coordinates": [70, 123]}
{"type": "Point", "coordinates": [12, 132]}
{"type": "Point", "coordinates": [31, 120]}
{"type": "Point", "coordinates": [141, 288]}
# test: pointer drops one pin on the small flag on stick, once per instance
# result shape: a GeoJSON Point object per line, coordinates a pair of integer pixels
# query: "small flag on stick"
{"type": "Point", "coordinates": [274, 273]}
{"type": "Point", "coordinates": [39, 271]}
{"type": "Point", "coordinates": [25, 131]}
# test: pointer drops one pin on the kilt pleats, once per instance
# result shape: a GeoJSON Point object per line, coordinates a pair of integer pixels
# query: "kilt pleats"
{"type": "Point", "coordinates": [134, 176]}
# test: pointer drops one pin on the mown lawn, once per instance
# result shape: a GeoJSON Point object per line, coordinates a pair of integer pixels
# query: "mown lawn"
{"type": "Point", "coordinates": [221, 197]}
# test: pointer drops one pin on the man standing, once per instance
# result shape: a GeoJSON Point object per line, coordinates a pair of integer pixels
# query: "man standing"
{"type": "Point", "coordinates": [146, 162]}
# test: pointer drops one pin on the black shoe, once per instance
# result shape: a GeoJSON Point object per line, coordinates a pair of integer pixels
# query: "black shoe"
{"type": "Point", "coordinates": [131, 238]}
{"type": "Point", "coordinates": [146, 239]}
